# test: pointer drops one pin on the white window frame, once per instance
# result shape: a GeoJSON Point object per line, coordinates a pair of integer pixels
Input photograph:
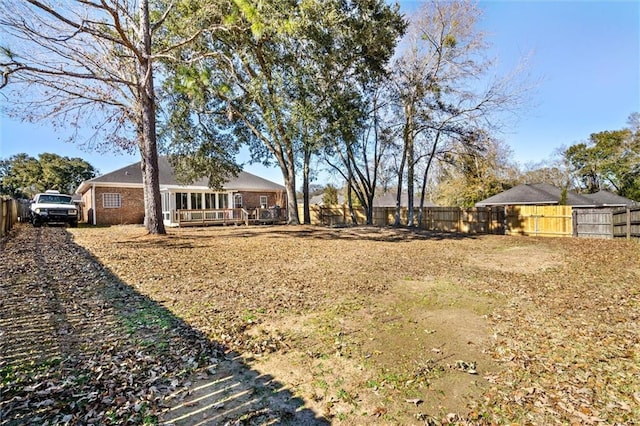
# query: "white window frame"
{"type": "Point", "coordinates": [263, 205]}
{"type": "Point", "coordinates": [235, 203]}
{"type": "Point", "coordinates": [111, 200]}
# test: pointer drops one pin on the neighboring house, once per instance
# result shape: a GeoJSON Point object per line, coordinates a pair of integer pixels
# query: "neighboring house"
{"type": "Point", "coordinates": [544, 194]}
{"type": "Point", "coordinates": [117, 198]}
{"type": "Point", "coordinates": [609, 199]}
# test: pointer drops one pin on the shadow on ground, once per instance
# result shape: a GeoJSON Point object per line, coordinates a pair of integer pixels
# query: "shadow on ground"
{"type": "Point", "coordinates": [79, 346]}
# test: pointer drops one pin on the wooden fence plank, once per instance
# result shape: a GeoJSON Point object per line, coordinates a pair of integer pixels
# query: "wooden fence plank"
{"type": "Point", "coordinates": [593, 223]}
{"type": "Point", "coordinates": [8, 215]}
{"type": "Point", "coordinates": [546, 221]}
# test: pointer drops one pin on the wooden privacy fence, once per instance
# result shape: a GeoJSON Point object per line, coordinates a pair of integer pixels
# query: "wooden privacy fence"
{"type": "Point", "coordinates": [8, 215]}
{"type": "Point", "coordinates": [542, 221]}
{"type": "Point", "coordinates": [607, 223]}
{"type": "Point", "coordinates": [480, 220]}
{"type": "Point", "coordinates": [592, 223]}
{"type": "Point", "coordinates": [539, 221]}
{"type": "Point", "coordinates": [626, 222]}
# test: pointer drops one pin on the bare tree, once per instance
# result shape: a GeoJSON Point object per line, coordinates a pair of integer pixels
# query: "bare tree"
{"type": "Point", "coordinates": [360, 162]}
{"type": "Point", "coordinates": [90, 63]}
{"type": "Point", "coordinates": [442, 88]}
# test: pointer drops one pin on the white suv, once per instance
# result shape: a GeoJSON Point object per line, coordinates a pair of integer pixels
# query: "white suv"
{"type": "Point", "coordinates": [52, 207]}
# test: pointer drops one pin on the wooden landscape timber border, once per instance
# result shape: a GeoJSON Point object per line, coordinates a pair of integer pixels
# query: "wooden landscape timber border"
{"type": "Point", "coordinates": [543, 221]}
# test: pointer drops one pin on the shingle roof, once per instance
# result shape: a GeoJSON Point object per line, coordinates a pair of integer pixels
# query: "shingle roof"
{"type": "Point", "coordinates": [132, 175]}
{"type": "Point", "coordinates": [609, 199]}
{"type": "Point", "coordinates": [539, 193]}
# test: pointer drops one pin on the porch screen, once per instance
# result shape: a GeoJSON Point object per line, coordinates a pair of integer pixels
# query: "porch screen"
{"type": "Point", "coordinates": [196, 201]}
{"type": "Point", "coordinates": [181, 201]}
{"type": "Point", "coordinates": [209, 201]}
{"type": "Point", "coordinates": [223, 201]}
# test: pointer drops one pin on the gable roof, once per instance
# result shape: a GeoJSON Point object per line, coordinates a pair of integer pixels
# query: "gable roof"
{"type": "Point", "coordinates": [538, 194]}
{"type": "Point", "coordinates": [131, 176]}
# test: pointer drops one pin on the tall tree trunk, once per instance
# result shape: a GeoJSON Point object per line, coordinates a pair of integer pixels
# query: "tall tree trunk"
{"type": "Point", "coordinates": [424, 177]}
{"type": "Point", "coordinates": [305, 186]}
{"type": "Point", "coordinates": [399, 188]}
{"type": "Point", "coordinates": [354, 218]}
{"type": "Point", "coordinates": [148, 145]}
{"type": "Point", "coordinates": [290, 185]}
{"type": "Point", "coordinates": [369, 211]}
{"type": "Point", "coordinates": [410, 178]}
{"type": "Point", "coordinates": [409, 144]}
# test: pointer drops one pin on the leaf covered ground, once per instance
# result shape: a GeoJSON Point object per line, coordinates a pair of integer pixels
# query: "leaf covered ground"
{"type": "Point", "coordinates": [364, 325]}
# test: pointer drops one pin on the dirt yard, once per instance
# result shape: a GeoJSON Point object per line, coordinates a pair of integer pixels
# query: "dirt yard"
{"type": "Point", "coordinates": [312, 325]}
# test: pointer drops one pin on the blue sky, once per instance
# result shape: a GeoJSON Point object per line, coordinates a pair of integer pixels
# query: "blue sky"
{"type": "Point", "coordinates": [586, 55]}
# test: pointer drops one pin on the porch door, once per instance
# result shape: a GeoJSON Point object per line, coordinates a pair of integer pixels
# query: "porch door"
{"type": "Point", "coordinates": [237, 201]}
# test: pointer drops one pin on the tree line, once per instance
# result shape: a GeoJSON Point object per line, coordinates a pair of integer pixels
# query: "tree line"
{"type": "Point", "coordinates": [23, 176]}
{"type": "Point", "coordinates": [381, 98]}
{"type": "Point", "coordinates": [607, 160]}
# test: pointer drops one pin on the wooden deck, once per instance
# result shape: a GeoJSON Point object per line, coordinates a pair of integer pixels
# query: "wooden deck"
{"type": "Point", "coordinates": [209, 217]}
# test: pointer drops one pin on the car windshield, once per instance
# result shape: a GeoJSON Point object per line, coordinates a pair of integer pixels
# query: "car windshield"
{"type": "Point", "coordinates": [55, 199]}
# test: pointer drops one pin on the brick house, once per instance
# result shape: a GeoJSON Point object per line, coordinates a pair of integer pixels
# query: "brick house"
{"type": "Point", "coordinates": [117, 198]}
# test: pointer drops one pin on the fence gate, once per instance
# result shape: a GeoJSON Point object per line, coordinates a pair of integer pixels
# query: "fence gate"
{"type": "Point", "coordinates": [545, 221]}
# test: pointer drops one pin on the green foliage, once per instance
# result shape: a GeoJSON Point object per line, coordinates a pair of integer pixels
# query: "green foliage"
{"type": "Point", "coordinates": [330, 196]}
{"type": "Point", "coordinates": [278, 76]}
{"type": "Point", "coordinates": [22, 176]}
{"type": "Point", "coordinates": [610, 160]}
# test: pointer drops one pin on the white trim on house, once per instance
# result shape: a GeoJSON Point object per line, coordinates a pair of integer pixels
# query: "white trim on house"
{"type": "Point", "coordinates": [93, 203]}
{"type": "Point", "coordinates": [168, 197]}
{"type": "Point", "coordinates": [83, 186]}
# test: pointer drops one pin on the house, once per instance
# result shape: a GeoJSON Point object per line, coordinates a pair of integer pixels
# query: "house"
{"type": "Point", "coordinates": [543, 194]}
{"type": "Point", "coordinates": [117, 198]}
{"type": "Point", "coordinates": [609, 199]}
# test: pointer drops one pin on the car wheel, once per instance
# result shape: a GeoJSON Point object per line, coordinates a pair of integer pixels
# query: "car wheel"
{"type": "Point", "coordinates": [36, 223]}
{"type": "Point", "coordinates": [73, 224]}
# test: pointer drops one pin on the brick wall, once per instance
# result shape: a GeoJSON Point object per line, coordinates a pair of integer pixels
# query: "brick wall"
{"type": "Point", "coordinates": [251, 200]}
{"type": "Point", "coordinates": [131, 210]}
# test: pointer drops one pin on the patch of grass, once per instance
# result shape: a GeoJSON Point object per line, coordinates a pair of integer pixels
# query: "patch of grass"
{"type": "Point", "coordinates": [18, 373]}
{"type": "Point", "coordinates": [249, 316]}
{"type": "Point", "coordinates": [321, 384]}
{"type": "Point", "coordinates": [147, 315]}
{"type": "Point", "coordinates": [347, 397]}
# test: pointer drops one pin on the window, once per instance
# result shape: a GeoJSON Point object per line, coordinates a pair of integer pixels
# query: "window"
{"type": "Point", "coordinates": [263, 201]}
{"type": "Point", "coordinates": [165, 201]}
{"type": "Point", "coordinates": [223, 201]}
{"type": "Point", "coordinates": [181, 201]}
{"type": "Point", "coordinates": [111, 201]}
{"type": "Point", "coordinates": [209, 201]}
{"type": "Point", "coordinates": [237, 201]}
{"type": "Point", "coordinates": [196, 201]}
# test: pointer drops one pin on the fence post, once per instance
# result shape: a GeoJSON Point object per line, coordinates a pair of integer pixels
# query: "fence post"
{"type": "Point", "coordinates": [2, 216]}
{"type": "Point", "coordinates": [612, 228]}
{"type": "Point", "coordinates": [628, 223]}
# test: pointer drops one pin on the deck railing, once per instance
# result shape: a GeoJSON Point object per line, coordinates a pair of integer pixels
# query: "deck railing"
{"type": "Point", "coordinates": [228, 216]}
